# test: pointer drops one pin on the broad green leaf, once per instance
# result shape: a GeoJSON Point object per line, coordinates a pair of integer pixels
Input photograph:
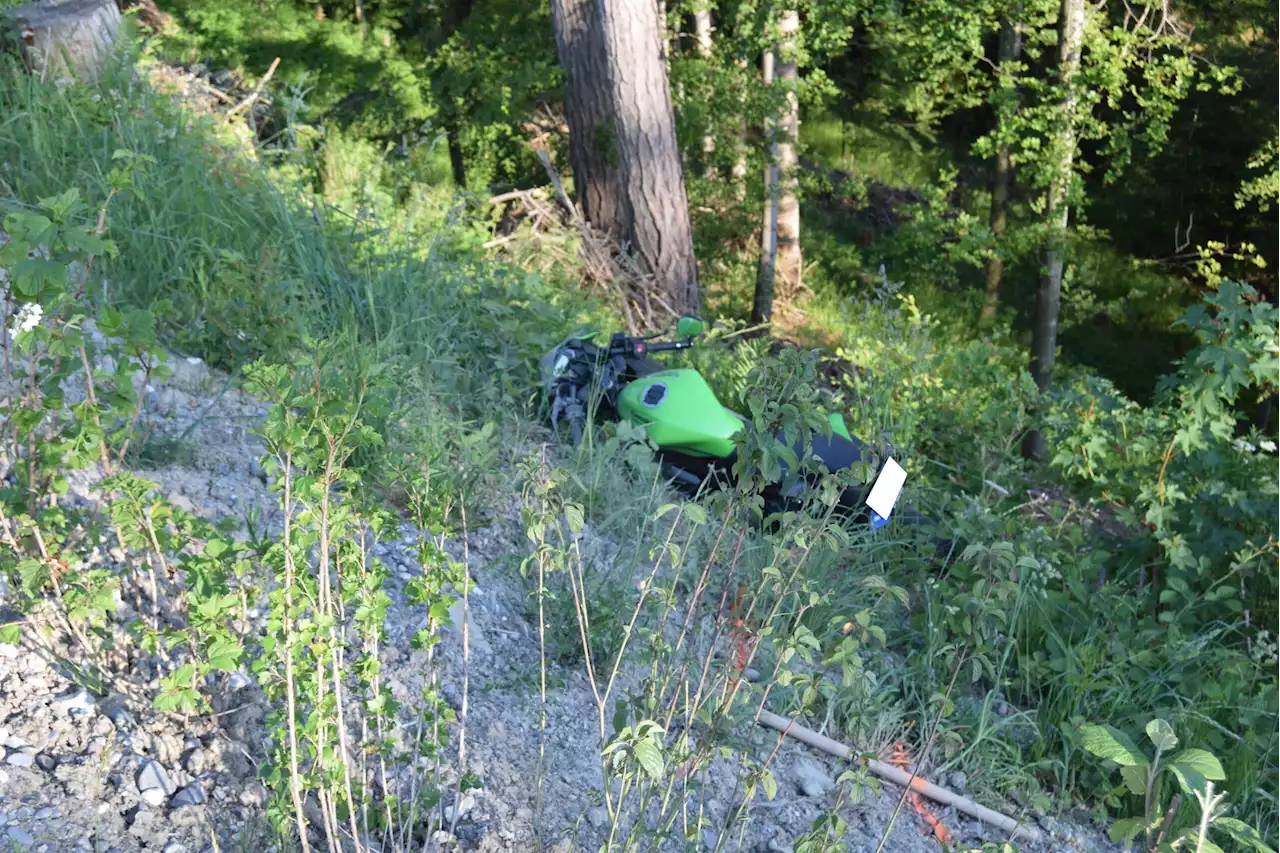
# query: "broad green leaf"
{"type": "Point", "coordinates": [1243, 833]}
{"type": "Point", "coordinates": [1193, 767]}
{"type": "Point", "coordinates": [1135, 777]}
{"type": "Point", "coordinates": [1161, 734]}
{"type": "Point", "coordinates": [1125, 830]}
{"type": "Point", "coordinates": [1111, 744]}
{"type": "Point", "coordinates": [650, 758]}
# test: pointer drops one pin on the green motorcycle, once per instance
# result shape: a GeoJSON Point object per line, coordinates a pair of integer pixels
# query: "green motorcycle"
{"type": "Point", "coordinates": [693, 432]}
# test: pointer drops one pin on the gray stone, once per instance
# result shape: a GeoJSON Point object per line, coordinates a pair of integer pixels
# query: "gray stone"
{"type": "Point", "coordinates": [20, 836]}
{"type": "Point", "coordinates": [237, 681]}
{"type": "Point", "coordinates": [811, 778]}
{"type": "Point", "coordinates": [174, 847]}
{"type": "Point", "coordinates": [15, 742]}
{"type": "Point", "coordinates": [189, 373]}
{"type": "Point", "coordinates": [192, 795]}
{"type": "Point", "coordinates": [76, 700]}
{"type": "Point", "coordinates": [194, 762]}
{"type": "Point", "coordinates": [44, 813]}
{"type": "Point", "coordinates": [709, 839]}
{"type": "Point", "coordinates": [47, 763]}
{"type": "Point", "coordinates": [152, 777]}
{"type": "Point", "coordinates": [121, 717]}
{"type": "Point", "coordinates": [597, 817]}
{"type": "Point", "coordinates": [958, 781]}
{"type": "Point", "coordinates": [24, 757]}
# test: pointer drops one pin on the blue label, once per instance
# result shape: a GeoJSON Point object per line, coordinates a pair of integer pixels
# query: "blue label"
{"type": "Point", "coordinates": [876, 521]}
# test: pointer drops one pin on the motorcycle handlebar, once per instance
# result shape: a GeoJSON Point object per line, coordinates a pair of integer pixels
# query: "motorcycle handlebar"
{"type": "Point", "coordinates": [668, 346]}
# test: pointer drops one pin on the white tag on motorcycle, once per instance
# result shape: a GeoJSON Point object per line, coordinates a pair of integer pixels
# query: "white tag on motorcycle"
{"type": "Point", "coordinates": [887, 488]}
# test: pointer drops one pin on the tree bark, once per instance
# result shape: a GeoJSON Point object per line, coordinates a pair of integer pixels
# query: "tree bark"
{"type": "Point", "coordinates": [653, 178]}
{"type": "Point", "coordinates": [593, 151]}
{"type": "Point", "coordinates": [68, 38]}
{"type": "Point", "coordinates": [790, 270]}
{"type": "Point", "coordinates": [1002, 179]}
{"type": "Point", "coordinates": [702, 41]}
{"type": "Point", "coordinates": [457, 162]}
{"type": "Point", "coordinates": [1044, 340]}
{"type": "Point", "coordinates": [766, 275]}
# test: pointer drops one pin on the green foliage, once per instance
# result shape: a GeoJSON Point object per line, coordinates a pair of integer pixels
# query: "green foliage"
{"type": "Point", "coordinates": [1181, 469]}
{"type": "Point", "coordinates": [1195, 771]}
{"type": "Point", "coordinates": [356, 76]}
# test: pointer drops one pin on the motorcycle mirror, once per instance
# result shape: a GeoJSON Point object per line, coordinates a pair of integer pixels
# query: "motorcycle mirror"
{"type": "Point", "coordinates": [688, 327]}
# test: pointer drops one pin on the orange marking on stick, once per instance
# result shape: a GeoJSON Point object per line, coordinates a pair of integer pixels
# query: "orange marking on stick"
{"type": "Point", "coordinates": [900, 758]}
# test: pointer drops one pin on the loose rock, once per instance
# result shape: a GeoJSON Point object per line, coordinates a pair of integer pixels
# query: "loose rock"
{"type": "Point", "coordinates": [20, 836]}
{"type": "Point", "coordinates": [811, 778]}
{"type": "Point", "coordinates": [76, 700]}
{"type": "Point", "coordinates": [191, 795]}
{"type": "Point", "coordinates": [153, 783]}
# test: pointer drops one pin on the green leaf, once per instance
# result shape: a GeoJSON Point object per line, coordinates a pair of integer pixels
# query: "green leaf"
{"type": "Point", "coordinates": [1111, 744]}
{"type": "Point", "coordinates": [11, 634]}
{"type": "Point", "coordinates": [1161, 734]}
{"type": "Point", "coordinates": [1135, 777]}
{"type": "Point", "coordinates": [573, 513]}
{"type": "Point", "coordinates": [650, 758]}
{"type": "Point", "coordinates": [769, 783]}
{"type": "Point", "coordinates": [1126, 830]}
{"type": "Point", "coordinates": [1194, 767]}
{"type": "Point", "coordinates": [1243, 833]}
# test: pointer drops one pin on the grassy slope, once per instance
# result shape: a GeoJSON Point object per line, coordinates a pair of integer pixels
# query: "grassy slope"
{"type": "Point", "coordinates": [240, 265]}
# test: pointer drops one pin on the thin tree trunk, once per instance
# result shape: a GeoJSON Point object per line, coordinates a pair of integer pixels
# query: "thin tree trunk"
{"type": "Point", "coordinates": [662, 236]}
{"type": "Point", "coordinates": [360, 12]}
{"type": "Point", "coordinates": [789, 272]}
{"type": "Point", "coordinates": [1002, 179]}
{"type": "Point", "coordinates": [664, 38]}
{"type": "Point", "coordinates": [702, 40]}
{"type": "Point", "coordinates": [593, 150]}
{"type": "Point", "coordinates": [739, 172]}
{"type": "Point", "coordinates": [457, 164]}
{"type": "Point", "coordinates": [1044, 340]}
{"type": "Point", "coordinates": [762, 303]}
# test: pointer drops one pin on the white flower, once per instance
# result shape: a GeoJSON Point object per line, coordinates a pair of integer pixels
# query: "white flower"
{"type": "Point", "coordinates": [27, 318]}
{"type": "Point", "coordinates": [1267, 445]}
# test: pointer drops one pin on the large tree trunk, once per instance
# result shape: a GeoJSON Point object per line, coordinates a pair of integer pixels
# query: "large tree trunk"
{"type": "Point", "coordinates": [68, 38]}
{"type": "Point", "coordinates": [662, 237]}
{"type": "Point", "coordinates": [1002, 179]}
{"type": "Point", "coordinates": [593, 150]}
{"type": "Point", "coordinates": [766, 275]}
{"type": "Point", "coordinates": [457, 162]}
{"type": "Point", "coordinates": [790, 273]}
{"type": "Point", "coordinates": [1044, 340]}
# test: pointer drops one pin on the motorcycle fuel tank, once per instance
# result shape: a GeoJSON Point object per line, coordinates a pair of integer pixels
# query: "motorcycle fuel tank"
{"type": "Point", "coordinates": [680, 412]}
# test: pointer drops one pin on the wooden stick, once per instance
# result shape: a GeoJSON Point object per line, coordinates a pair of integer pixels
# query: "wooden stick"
{"type": "Point", "coordinates": [257, 90]}
{"type": "Point", "coordinates": [901, 777]}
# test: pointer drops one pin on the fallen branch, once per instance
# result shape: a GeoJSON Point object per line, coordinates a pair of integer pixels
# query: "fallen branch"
{"type": "Point", "coordinates": [903, 778]}
{"type": "Point", "coordinates": [257, 90]}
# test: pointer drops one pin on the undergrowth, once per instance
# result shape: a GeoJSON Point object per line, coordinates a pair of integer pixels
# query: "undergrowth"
{"type": "Point", "coordinates": [400, 371]}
